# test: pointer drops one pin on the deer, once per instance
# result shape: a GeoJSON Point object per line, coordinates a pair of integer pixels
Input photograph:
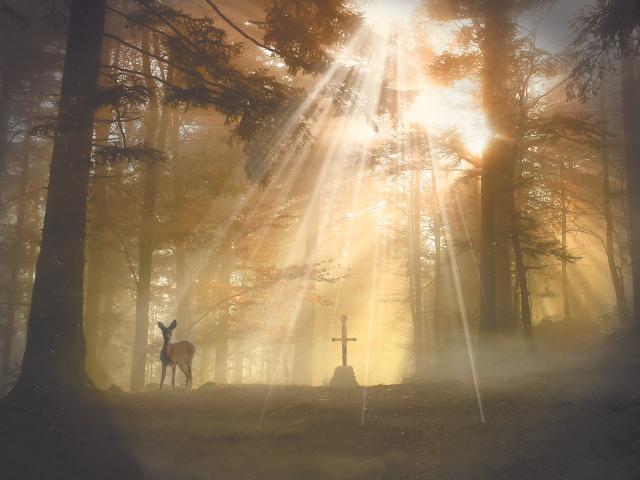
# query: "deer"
{"type": "Point", "coordinates": [172, 354]}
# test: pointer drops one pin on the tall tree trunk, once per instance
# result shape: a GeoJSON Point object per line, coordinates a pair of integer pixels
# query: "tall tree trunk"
{"type": "Point", "coordinates": [97, 226]}
{"type": "Point", "coordinates": [415, 273]}
{"type": "Point", "coordinates": [147, 238]}
{"type": "Point", "coordinates": [564, 206]}
{"type": "Point", "coordinates": [6, 88]}
{"type": "Point", "coordinates": [616, 278]}
{"type": "Point", "coordinates": [631, 117]}
{"type": "Point", "coordinates": [521, 274]}
{"type": "Point", "coordinates": [302, 369]}
{"type": "Point", "coordinates": [223, 321]}
{"type": "Point", "coordinates": [16, 258]}
{"type": "Point", "coordinates": [514, 205]}
{"type": "Point", "coordinates": [106, 326]}
{"type": "Point", "coordinates": [179, 199]}
{"type": "Point", "coordinates": [222, 349]}
{"type": "Point", "coordinates": [55, 349]}
{"type": "Point", "coordinates": [439, 326]}
{"type": "Point", "coordinates": [238, 361]}
{"type": "Point", "coordinates": [495, 252]}
{"type": "Point", "coordinates": [205, 354]}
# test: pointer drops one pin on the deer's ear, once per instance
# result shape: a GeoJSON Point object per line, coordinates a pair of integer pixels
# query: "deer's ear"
{"type": "Point", "coordinates": [160, 325]}
{"type": "Point", "coordinates": [173, 324]}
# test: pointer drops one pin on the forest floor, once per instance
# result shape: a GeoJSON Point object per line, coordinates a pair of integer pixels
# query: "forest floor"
{"type": "Point", "coordinates": [570, 416]}
{"type": "Point", "coordinates": [574, 416]}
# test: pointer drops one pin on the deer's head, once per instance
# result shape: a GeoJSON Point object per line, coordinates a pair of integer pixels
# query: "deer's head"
{"type": "Point", "coordinates": [167, 331]}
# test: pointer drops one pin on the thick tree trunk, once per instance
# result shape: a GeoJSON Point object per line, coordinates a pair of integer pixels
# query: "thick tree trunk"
{"type": "Point", "coordinates": [495, 261]}
{"type": "Point", "coordinates": [55, 348]}
{"type": "Point", "coordinates": [16, 257]}
{"type": "Point", "coordinates": [631, 116]}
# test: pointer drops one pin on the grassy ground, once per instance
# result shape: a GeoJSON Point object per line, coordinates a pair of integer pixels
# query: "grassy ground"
{"type": "Point", "coordinates": [578, 418]}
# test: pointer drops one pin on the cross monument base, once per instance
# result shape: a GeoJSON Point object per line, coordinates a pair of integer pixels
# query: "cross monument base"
{"type": "Point", "coordinates": [343, 377]}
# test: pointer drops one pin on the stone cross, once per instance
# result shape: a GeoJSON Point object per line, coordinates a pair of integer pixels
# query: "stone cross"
{"type": "Point", "coordinates": [344, 339]}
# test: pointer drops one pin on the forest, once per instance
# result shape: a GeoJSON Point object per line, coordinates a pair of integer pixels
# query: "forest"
{"type": "Point", "coordinates": [319, 239]}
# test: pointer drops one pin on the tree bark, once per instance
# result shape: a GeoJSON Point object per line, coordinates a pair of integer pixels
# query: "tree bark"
{"type": "Point", "coordinates": [55, 349]}
{"type": "Point", "coordinates": [495, 262]}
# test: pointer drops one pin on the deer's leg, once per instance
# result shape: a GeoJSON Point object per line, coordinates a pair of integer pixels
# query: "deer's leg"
{"type": "Point", "coordinates": [186, 375]}
{"type": "Point", "coordinates": [173, 376]}
{"type": "Point", "coordinates": [164, 371]}
{"type": "Point", "coordinates": [190, 375]}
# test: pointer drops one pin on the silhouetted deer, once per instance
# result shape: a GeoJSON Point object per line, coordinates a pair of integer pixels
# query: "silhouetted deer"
{"type": "Point", "coordinates": [179, 353]}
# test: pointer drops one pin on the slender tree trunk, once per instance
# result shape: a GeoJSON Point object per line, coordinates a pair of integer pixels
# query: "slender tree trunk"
{"type": "Point", "coordinates": [55, 348]}
{"type": "Point", "coordinates": [631, 116]}
{"type": "Point", "coordinates": [222, 330]}
{"type": "Point", "coordinates": [564, 205]}
{"type": "Point", "coordinates": [302, 369]}
{"type": "Point", "coordinates": [6, 82]}
{"type": "Point", "coordinates": [514, 180]}
{"type": "Point", "coordinates": [238, 362]}
{"type": "Point", "coordinates": [106, 327]}
{"type": "Point", "coordinates": [616, 279]}
{"type": "Point", "coordinates": [205, 353]}
{"type": "Point", "coordinates": [222, 349]}
{"type": "Point", "coordinates": [16, 258]}
{"type": "Point", "coordinates": [439, 330]}
{"type": "Point", "coordinates": [415, 273]}
{"type": "Point", "coordinates": [179, 199]}
{"type": "Point", "coordinates": [97, 227]}
{"type": "Point", "coordinates": [147, 228]}
{"type": "Point", "coordinates": [523, 284]}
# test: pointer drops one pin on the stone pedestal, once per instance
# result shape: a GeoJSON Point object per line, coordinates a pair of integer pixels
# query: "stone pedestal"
{"type": "Point", "coordinates": [343, 377]}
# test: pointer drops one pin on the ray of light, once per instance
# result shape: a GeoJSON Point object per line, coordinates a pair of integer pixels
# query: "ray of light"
{"type": "Point", "coordinates": [287, 169]}
{"type": "Point", "coordinates": [334, 165]}
{"type": "Point", "coordinates": [459, 295]}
